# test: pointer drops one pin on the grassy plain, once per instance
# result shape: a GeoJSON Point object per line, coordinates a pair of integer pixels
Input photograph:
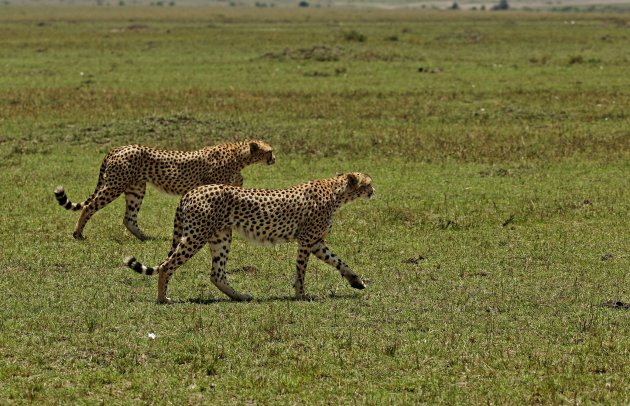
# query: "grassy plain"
{"type": "Point", "coordinates": [499, 144]}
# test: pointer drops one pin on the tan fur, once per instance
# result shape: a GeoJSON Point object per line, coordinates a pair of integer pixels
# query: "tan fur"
{"type": "Point", "coordinates": [129, 168]}
{"type": "Point", "coordinates": [303, 213]}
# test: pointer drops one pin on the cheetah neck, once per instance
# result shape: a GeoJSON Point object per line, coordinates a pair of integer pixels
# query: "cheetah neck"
{"type": "Point", "coordinates": [233, 154]}
{"type": "Point", "coordinates": [340, 192]}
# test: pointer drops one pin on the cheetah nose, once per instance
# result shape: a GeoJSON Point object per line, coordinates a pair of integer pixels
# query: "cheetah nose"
{"type": "Point", "coordinates": [271, 160]}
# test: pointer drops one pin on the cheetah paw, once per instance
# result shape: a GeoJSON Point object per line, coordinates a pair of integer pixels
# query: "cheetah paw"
{"type": "Point", "coordinates": [356, 282]}
{"type": "Point", "coordinates": [306, 298]}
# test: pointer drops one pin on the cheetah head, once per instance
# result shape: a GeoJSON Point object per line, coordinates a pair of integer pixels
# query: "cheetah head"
{"type": "Point", "coordinates": [358, 185]}
{"type": "Point", "coordinates": [260, 151]}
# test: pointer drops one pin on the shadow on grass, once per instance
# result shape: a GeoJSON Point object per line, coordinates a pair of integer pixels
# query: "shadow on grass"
{"type": "Point", "coordinates": [616, 305]}
{"type": "Point", "coordinates": [207, 301]}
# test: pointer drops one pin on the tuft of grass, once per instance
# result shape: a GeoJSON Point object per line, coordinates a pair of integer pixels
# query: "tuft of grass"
{"type": "Point", "coordinates": [354, 36]}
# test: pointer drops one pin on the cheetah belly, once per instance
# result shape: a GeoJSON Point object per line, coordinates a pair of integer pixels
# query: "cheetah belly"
{"type": "Point", "coordinates": [162, 189]}
{"type": "Point", "coordinates": [265, 237]}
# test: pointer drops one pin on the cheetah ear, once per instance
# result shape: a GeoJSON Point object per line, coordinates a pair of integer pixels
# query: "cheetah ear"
{"type": "Point", "coordinates": [353, 181]}
{"type": "Point", "coordinates": [253, 147]}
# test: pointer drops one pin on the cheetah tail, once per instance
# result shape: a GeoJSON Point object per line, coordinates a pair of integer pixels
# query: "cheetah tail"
{"type": "Point", "coordinates": [62, 199]}
{"type": "Point", "coordinates": [132, 263]}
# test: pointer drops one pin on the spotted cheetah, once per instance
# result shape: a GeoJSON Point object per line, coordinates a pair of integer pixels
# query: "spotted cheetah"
{"type": "Point", "coordinates": [127, 170]}
{"type": "Point", "coordinates": [303, 213]}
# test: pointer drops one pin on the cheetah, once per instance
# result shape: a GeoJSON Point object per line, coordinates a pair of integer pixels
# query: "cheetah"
{"type": "Point", "coordinates": [303, 213]}
{"type": "Point", "coordinates": [127, 170]}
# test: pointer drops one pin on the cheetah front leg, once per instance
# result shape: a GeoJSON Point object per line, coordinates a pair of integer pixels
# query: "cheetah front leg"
{"type": "Point", "coordinates": [220, 246]}
{"type": "Point", "coordinates": [133, 200]}
{"type": "Point", "coordinates": [321, 251]}
{"type": "Point", "coordinates": [300, 271]}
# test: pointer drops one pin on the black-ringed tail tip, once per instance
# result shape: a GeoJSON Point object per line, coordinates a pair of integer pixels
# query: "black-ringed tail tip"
{"type": "Point", "coordinates": [62, 199]}
{"type": "Point", "coordinates": [132, 263]}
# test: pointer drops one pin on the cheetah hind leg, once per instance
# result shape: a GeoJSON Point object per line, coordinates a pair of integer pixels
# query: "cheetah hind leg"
{"type": "Point", "coordinates": [133, 201]}
{"type": "Point", "coordinates": [185, 250]}
{"type": "Point", "coordinates": [101, 198]}
{"type": "Point", "coordinates": [220, 247]}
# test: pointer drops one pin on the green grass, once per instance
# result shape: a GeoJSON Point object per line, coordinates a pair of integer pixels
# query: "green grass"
{"type": "Point", "coordinates": [499, 146]}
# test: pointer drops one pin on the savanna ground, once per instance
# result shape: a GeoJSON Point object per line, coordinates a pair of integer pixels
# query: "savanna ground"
{"type": "Point", "coordinates": [499, 145]}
